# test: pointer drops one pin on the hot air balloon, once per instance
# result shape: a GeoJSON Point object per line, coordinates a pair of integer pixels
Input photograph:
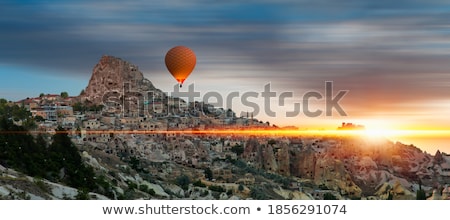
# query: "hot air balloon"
{"type": "Point", "coordinates": [180, 61]}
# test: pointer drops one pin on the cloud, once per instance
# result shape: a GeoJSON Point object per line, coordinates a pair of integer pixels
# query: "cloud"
{"type": "Point", "coordinates": [383, 52]}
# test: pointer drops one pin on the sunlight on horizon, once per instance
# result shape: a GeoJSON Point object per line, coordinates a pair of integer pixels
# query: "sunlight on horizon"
{"type": "Point", "coordinates": [419, 138]}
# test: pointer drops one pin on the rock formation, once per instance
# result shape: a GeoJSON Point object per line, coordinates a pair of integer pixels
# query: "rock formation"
{"type": "Point", "coordinates": [353, 168]}
{"type": "Point", "coordinates": [117, 84]}
{"type": "Point", "coordinates": [332, 174]}
{"type": "Point", "coordinates": [283, 159]}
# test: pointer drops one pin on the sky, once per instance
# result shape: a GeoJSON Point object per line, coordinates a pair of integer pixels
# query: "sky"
{"type": "Point", "coordinates": [392, 57]}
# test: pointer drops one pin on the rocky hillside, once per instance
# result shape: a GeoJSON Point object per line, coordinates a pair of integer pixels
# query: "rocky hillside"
{"type": "Point", "coordinates": [315, 170]}
{"type": "Point", "coordinates": [353, 166]}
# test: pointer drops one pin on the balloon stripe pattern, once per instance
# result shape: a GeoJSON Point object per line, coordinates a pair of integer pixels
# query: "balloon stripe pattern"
{"type": "Point", "coordinates": [180, 61]}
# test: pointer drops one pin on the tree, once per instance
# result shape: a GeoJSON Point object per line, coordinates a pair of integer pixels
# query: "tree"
{"type": "Point", "coordinates": [329, 196]}
{"type": "Point", "coordinates": [199, 183]}
{"type": "Point", "coordinates": [143, 187]}
{"type": "Point", "coordinates": [64, 155]}
{"type": "Point", "coordinates": [96, 108]}
{"type": "Point", "coordinates": [238, 149]}
{"type": "Point", "coordinates": [59, 161]}
{"type": "Point", "coordinates": [183, 181]}
{"type": "Point", "coordinates": [135, 163]}
{"type": "Point", "coordinates": [82, 194]}
{"type": "Point", "coordinates": [216, 188]}
{"type": "Point", "coordinates": [390, 196]}
{"type": "Point", "coordinates": [82, 92]}
{"type": "Point", "coordinates": [41, 95]}
{"type": "Point", "coordinates": [64, 95]}
{"type": "Point", "coordinates": [208, 173]}
{"type": "Point", "coordinates": [420, 194]}
{"type": "Point", "coordinates": [78, 107]}
{"type": "Point", "coordinates": [258, 193]}
{"type": "Point", "coordinates": [39, 118]}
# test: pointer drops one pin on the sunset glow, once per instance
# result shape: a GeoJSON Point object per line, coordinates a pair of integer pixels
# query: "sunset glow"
{"type": "Point", "coordinates": [372, 133]}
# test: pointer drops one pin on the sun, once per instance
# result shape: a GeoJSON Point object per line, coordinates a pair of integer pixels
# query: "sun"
{"type": "Point", "coordinates": [383, 129]}
{"type": "Point", "coordinates": [377, 132]}
{"type": "Point", "coordinates": [379, 129]}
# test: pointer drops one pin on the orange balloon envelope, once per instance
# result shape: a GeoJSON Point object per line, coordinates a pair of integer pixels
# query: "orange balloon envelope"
{"type": "Point", "coordinates": [180, 61]}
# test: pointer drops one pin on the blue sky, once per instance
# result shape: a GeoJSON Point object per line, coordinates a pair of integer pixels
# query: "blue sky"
{"type": "Point", "coordinates": [392, 56]}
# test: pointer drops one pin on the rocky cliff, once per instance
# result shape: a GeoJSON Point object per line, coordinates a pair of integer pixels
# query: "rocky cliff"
{"type": "Point", "coordinates": [116, 82]}
{"type": "Point", "coordinates": [353, 167]}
